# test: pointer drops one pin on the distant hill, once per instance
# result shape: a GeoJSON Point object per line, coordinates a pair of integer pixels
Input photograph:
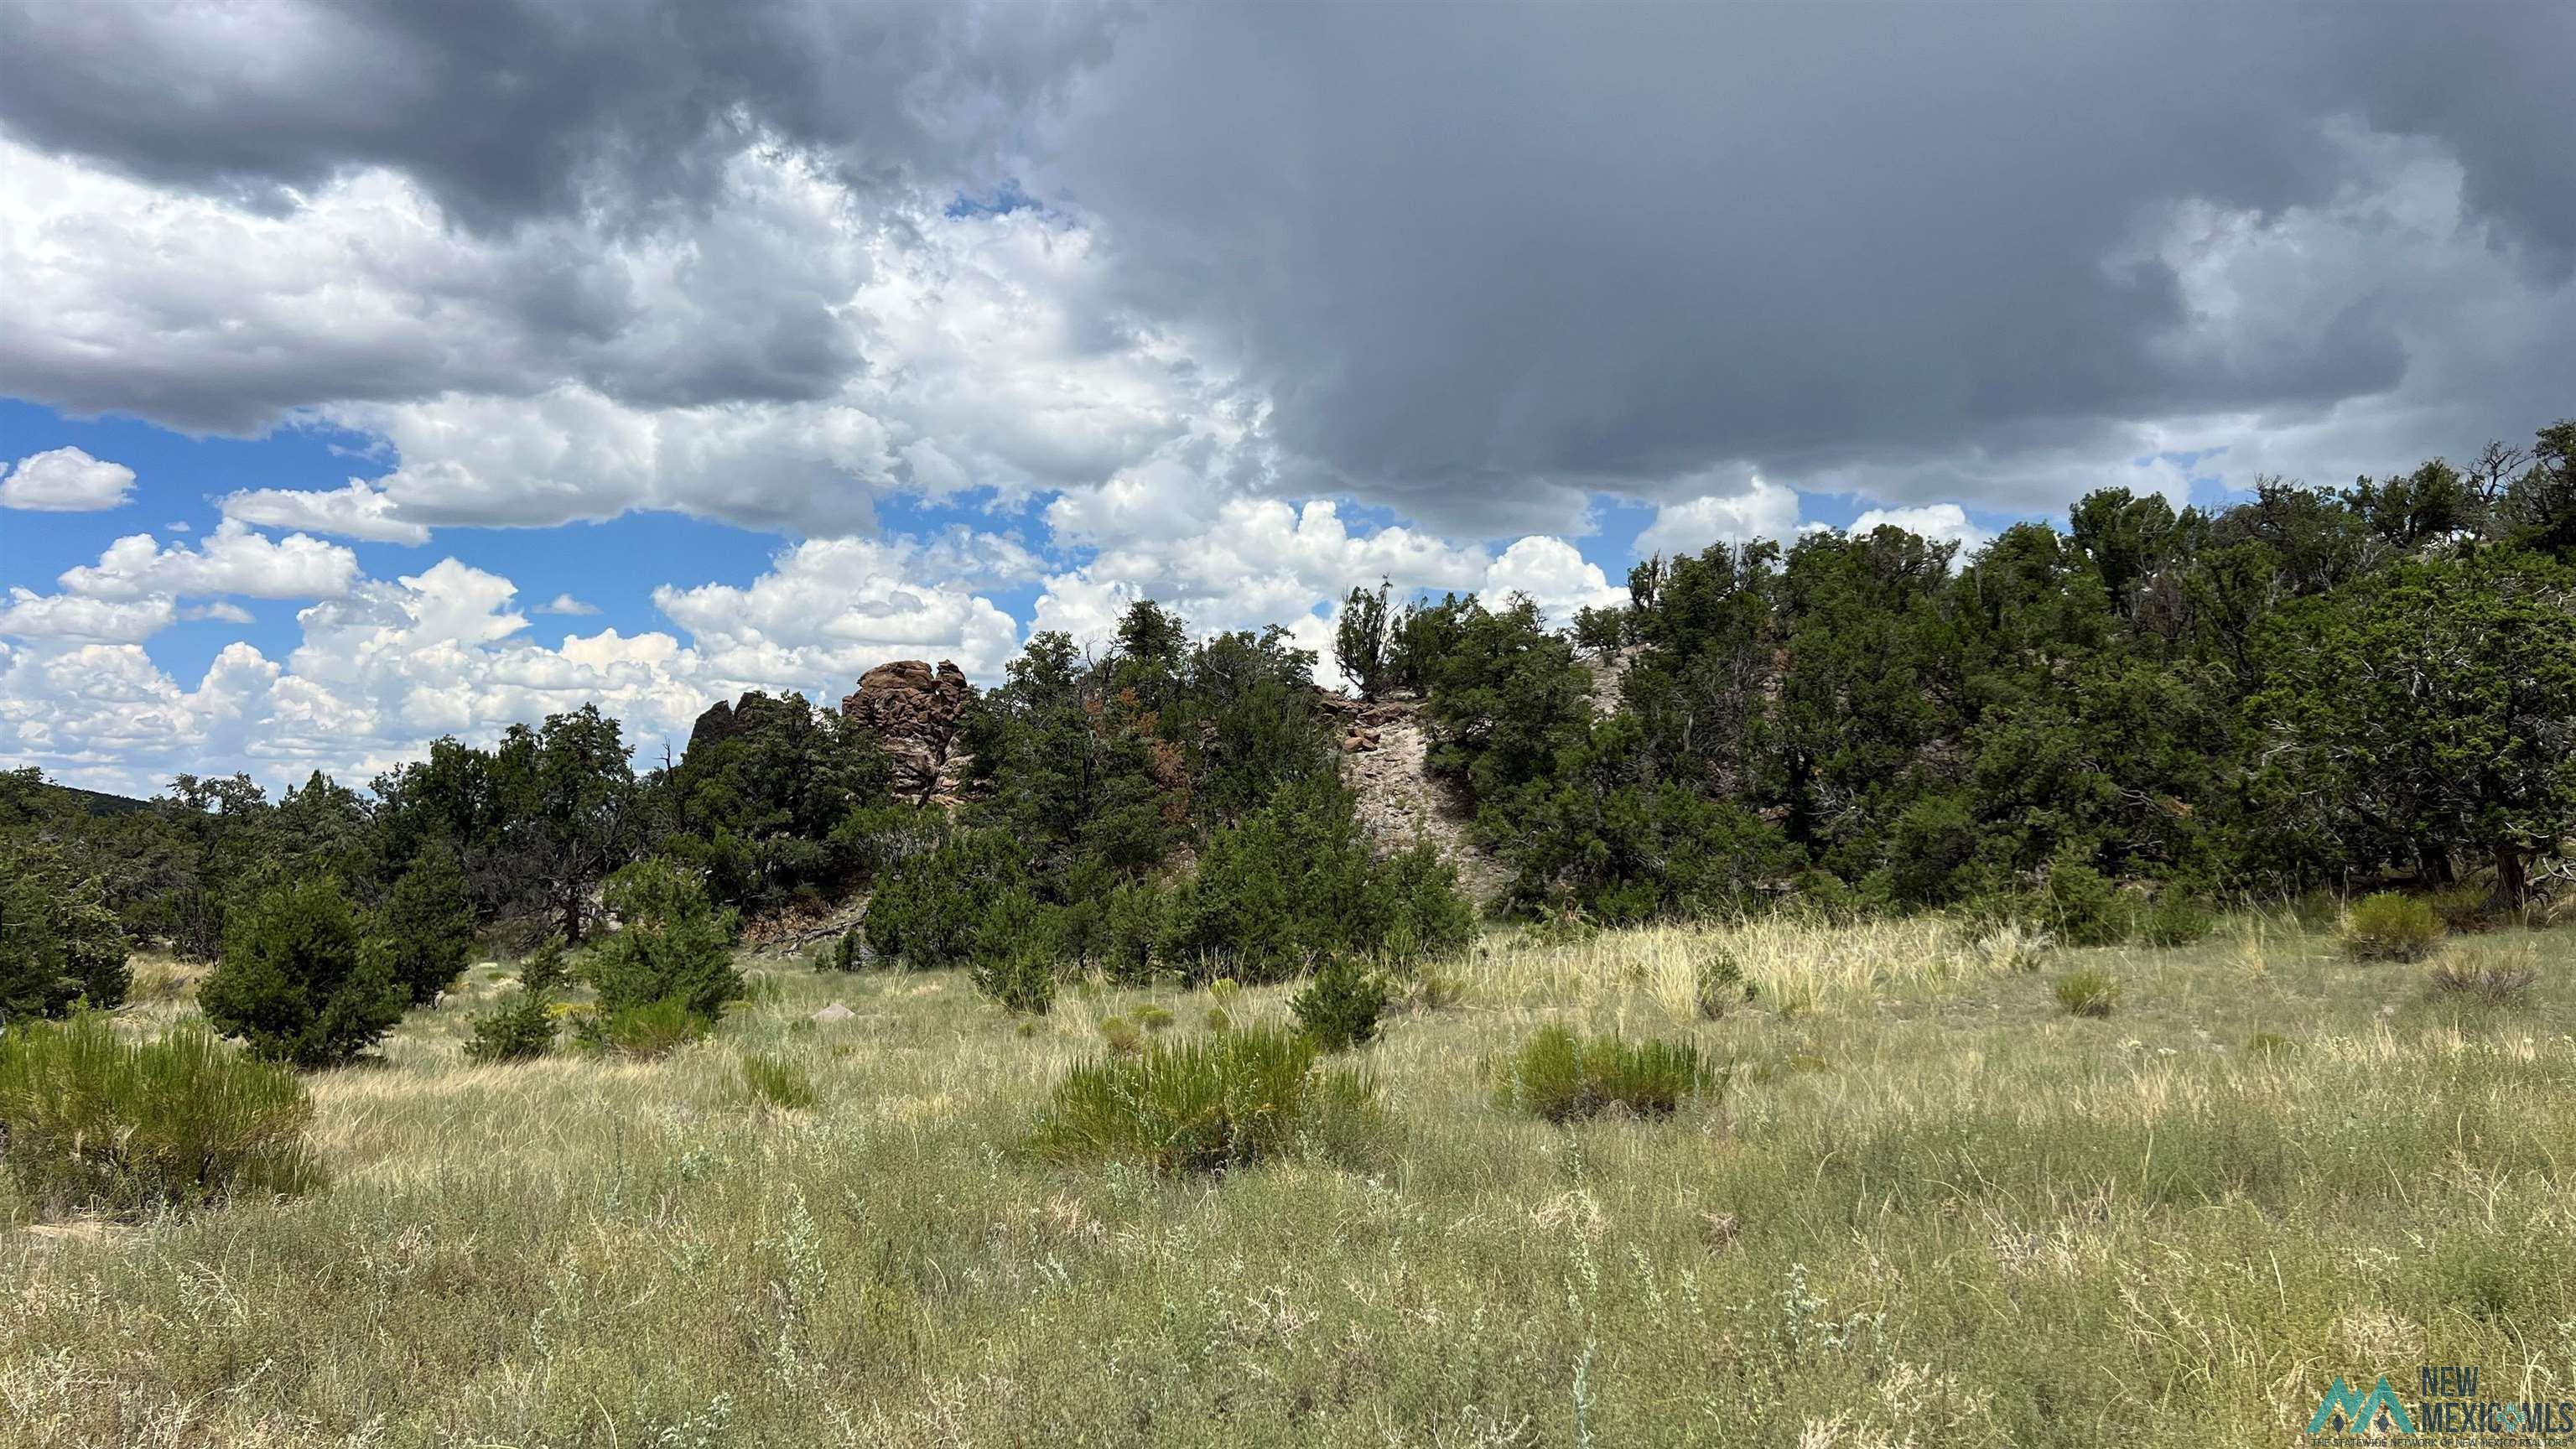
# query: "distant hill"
{"type": "Point", "coordinates": [96, 802]}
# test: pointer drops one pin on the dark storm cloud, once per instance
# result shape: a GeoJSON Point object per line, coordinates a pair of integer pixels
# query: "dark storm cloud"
{"type": "Point", "coordinates": [554, 132]}
{"type": "Point", "coordinates": [1472, 249]}
{"type": "Point", "coordinates": [1478, 258]}
{"type": "Point", "coordinates": [510, 108]}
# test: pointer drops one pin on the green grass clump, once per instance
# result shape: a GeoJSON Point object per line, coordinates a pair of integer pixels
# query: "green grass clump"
{"type": "Point", "coordinates": [2390, 927]}
{"type": "Point", "coordinates": [1718, 984]}
{"type": "Point", "coordinates": [2087, 991]}
{"type": "Point", "coordinates": [2495, 982]}
{"type": "Point", "coordinates": [774, 1078]}
{"type": "Point", "coordinates": [651, 1029]}
{"type": "Point", "coordinates": [1210, 1105]}
{"type": "Point", "coordinates": [1154, 1018]}
{"type": "Point", "coordinates": [1563, 1078]}
{"type": "Point", "coordinates": [98, 1124]}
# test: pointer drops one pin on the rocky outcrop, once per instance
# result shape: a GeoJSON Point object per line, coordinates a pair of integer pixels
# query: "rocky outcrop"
{"type": "Point", "coordinates": [914, 708]}
{"type": "Point", "coordinates": [1383, 751]}
{"type": "Point", "coordinates": [715, 724]}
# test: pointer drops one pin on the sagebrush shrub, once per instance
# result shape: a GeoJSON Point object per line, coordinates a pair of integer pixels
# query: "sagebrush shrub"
{"type": "Point", "coordinates": [1341, 1005]}
{"type": "Point", "coordinates": [1564, 1078]}
{"type": "Point", "coordinates": [1209, 1105]}
{"type": "Point", "coordinates": [2388, 926]}
{"type": "Point", "coordinates": [2087, 991]}
{"type": "Point", "coordinates": [297, 982]}
{"type": "Point", "coordinates": [779, 1080]}
{"type": "Point", "coordinates": [1122, 1035]}
{"type": "Point", "coordinates": [1154, 1018]}
{"type": "Point", "coordinates": [96, 1123]}
{"type": "Point", "coordinates": [521, 1027]}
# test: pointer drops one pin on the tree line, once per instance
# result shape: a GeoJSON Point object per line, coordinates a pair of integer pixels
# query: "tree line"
{"type": "Point", "coordinates": [2098, 726]}
{"type": "Point", "coordinates": [2311, 688]}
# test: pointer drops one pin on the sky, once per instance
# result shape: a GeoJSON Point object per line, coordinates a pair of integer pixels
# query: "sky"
{"type": "Point", "coordinates": [372, 372]}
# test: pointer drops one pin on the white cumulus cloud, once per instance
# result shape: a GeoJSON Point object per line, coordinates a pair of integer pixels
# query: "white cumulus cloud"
{"type": "Point", "coordinates": [65, 480]}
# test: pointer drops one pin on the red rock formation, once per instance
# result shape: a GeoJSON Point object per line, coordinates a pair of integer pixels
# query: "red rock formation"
{"type": "Point", "coordinates": [914, 709]}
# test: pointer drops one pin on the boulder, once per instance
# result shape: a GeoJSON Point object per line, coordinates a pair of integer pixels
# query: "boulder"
{"type": "Point", "coordinates": [832, 1015]}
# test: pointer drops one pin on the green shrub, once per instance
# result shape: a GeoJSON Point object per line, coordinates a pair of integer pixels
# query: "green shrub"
{"type": "Point", "coordinates": [2464, 909]}
{"type": "Point", "coordinates": [2083, 907]}
{"type": "Point", "coordinates": [2495, 982]}
{"type": "Point", "coordinates": [548, 968]}
{"type": "Point", "coordinates": [1011, 957]}
{"type": "Point", "coordinates": [520, 1028]}
{"type": "Point", "coordinates": [1134, 917]}
{"type": "Point", "coordinates": [1340, 1007]}
{"type": "Point", "coordinates": [2087, 991]}
{"type": "Point", "coordinates": [1218, 1019]}
{"type": "Point", "coordinates": [2388, 926]}
{"type": "Point", "coordinates": [95, 1123]}
{"type": "Point", "coordinates": [1208, 1105]}
{"type": "Point", "coordinates": [1153, 1018]}
{"type": "Point", "coordinates": [1021, 978]}
{"type": "Point", "coordinates": [845, 952]}
{"type": "Point", "coordinates": [931, 910]}
{"type": "Point", "coordinates": [1295, 883]}
{"type": "Point", "coordinates": [2267, 1045]}
{"type": "Point", "coordinates": [1564, 1078]}
{"type": "Point", "coordinates": [425, 933]}
{"type": "Point", "coordinates": [2317, 910]}
{"type": "Point", "coordinates": [1718, 985]}
{"type": "Point", "coordinates": [59, 943]}
{"type": "Point", "coordinates": [672, 943]}
{"type": "Point", "coordinates": [297, 983]}
{"type": "Point", "coordinates": [2176, 918]}
{"type": "Point", "coordinates": [1123, 1036]}
{"type": "Point", "coordinates": [774, 1078]}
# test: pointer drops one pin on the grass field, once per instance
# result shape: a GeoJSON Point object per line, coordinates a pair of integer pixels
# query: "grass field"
{"type": "Point", "coordinates": [1929, 1208]}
